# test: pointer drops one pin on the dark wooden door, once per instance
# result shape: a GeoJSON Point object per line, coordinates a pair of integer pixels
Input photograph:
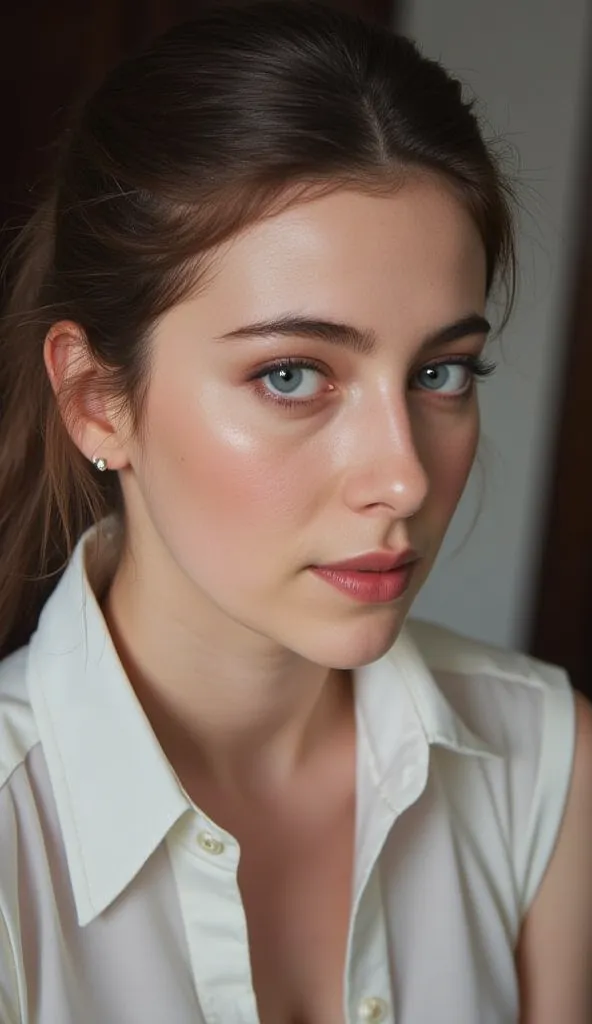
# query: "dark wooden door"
{"type": "Point", "coordinates": [49, 52]}
{"type": "Point", "coordinates": [562, 626]}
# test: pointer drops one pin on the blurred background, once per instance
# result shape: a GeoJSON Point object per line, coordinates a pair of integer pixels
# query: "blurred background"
{"type": "Point", "coordinates": [516, 570]}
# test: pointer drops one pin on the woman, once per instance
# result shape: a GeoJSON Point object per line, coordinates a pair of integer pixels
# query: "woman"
{"type": "Point", "coordinates": [239, 374]}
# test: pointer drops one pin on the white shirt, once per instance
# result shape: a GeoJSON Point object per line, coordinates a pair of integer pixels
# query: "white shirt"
{"type": "Point", "coordinates": [119, 901]}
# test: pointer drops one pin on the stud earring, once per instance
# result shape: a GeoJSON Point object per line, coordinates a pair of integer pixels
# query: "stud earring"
{"type": "Point", "coordinates": [99, 463]}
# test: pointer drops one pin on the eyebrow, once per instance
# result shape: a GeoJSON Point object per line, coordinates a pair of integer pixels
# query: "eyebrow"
{"type": "Point", "coordinates": [359, 340]}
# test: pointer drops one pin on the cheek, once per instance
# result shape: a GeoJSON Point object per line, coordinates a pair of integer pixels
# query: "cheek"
{"type": "Point", "coordinates": [215, 483]}
{"type": "Point", "coordinates": [448, 455]}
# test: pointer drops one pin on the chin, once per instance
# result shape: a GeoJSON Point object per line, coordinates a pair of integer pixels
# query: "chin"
{"type": "Point", "coordinates": [350, 645]}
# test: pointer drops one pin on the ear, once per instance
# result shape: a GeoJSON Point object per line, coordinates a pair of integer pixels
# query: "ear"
{"type": "Point", "coordinates": [84, 406]}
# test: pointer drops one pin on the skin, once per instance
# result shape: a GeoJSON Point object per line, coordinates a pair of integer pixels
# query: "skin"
{"type": "Point", "coordinates": [239, 654]}
{"type": "Point", "coordinates": [230, 496]}
{"type": "Point", "coordinates": [554, 953]}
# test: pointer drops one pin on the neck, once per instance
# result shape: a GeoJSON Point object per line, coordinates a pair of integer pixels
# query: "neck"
{"type": "Point", "coordinates": [222, 701]}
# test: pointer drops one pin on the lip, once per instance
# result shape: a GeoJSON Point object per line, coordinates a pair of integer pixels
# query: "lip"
{"type": "Point", "coordinates": [376, 578]}
{"type": "Point", "coordinates": [373, 561]}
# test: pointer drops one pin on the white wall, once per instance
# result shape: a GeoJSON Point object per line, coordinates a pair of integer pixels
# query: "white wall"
{"type": "Point", "coordinates": [526, 60]}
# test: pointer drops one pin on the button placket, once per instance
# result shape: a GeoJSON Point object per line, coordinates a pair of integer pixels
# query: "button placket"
{"type": "Point", "coordinates": [368, 981]}
{"type": "Point", "coordinates": [204, 864]}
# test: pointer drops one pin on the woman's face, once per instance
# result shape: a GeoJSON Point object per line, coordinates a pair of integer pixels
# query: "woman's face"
{"type": "Point", "coordinates": [251, 472]}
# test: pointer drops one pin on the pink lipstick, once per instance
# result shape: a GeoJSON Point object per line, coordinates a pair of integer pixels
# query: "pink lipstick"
{"type": "Point", "coordinates": [375, 578]}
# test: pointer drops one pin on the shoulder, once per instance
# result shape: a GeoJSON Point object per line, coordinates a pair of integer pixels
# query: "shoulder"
{"type": "Point", "coordinates": [526, 712]}
{"type": "Point", "coordinates": [555, 948]}
{"type": "Point", "coordinates": [445, 650]}
{"type": "Point", "coordinates": [18, 733]}
{"type": "Point", "coordinates": [522, 707]}
{"type": "Point", "coordinates": [472, 667]}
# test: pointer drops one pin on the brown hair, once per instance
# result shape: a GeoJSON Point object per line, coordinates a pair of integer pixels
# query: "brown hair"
{"type": "Point", "coordinates": [183, 145]}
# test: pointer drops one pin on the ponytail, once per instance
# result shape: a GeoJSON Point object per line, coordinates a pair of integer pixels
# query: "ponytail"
{"type": "Point", "coordinates": [48, 497]}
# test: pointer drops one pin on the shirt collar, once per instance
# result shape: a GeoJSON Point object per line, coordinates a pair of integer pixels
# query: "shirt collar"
{"type": "Point", "coordinates": [116, 795]}
{"type": "Point", "coordinates": [397, 700]}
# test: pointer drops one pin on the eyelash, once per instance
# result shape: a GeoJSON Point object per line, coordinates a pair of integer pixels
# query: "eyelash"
{"type": "Point", "coordinates": [479, 368]}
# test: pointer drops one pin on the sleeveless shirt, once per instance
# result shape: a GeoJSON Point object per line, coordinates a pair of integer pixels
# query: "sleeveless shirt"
{"type": "Point", "coordinates": [119, 900]}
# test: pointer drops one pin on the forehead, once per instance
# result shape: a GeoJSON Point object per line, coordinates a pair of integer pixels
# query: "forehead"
{"type": "Point", "coordinates": [412, 255]}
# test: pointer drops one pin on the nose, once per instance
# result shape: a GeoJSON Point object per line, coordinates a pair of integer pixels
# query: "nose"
{"type": "Point", "coordinates": [386, 472]}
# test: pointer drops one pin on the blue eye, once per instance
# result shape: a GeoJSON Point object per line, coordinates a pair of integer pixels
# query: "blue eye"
{"type": "Point", "coordinates": [291, 381]}
{"type": "Point", "coordinates": [445, 377]}
{"type": "Point", "coordinates": [295, 380]}
{"type": "Point", "coordinates": [455, 377]}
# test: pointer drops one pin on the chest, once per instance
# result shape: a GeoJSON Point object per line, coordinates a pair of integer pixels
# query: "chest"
{"type": "Point", "coordinates": [295, 881]}
{"type": "Point", "coordinates": [431, 937]}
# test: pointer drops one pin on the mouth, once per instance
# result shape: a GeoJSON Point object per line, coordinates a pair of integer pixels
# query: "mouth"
{"type": "Point", "coordinates": [374, 561]}
{"type": "Point", "coordinates": [370, 585]}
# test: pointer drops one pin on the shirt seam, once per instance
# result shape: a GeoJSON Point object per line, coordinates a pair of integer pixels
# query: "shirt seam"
{"type": "Point", "coordinates": [20, 764]}
{"type": "Point", "coordinates": [486, 670]}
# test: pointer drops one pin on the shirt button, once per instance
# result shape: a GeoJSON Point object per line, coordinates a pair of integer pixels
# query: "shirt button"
{"type": "Point", "coordinates": [372, 1009]}
{"type": "Point", "coordinates": [210, 844]}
